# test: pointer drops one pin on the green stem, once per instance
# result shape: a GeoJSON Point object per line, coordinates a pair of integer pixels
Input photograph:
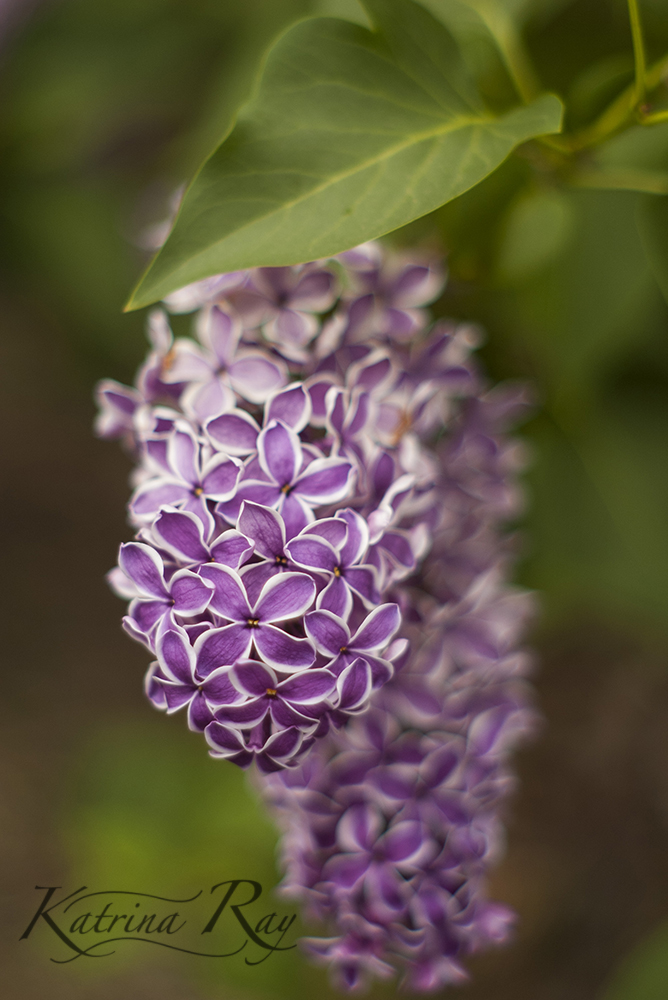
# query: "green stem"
{"type": "Point", "coordinates": [649, 181]}
{"type": "Point", "coordinates": [654, 118]}
{"type": "Point", "coordinates": [638, 53]}
{"type": "Point", "coordinates": [618, 114]}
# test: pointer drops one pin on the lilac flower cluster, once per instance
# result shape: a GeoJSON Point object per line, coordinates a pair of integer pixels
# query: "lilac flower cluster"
{"type": "Point", "coordinates": [319, 572]}
{"type": "Point", "coordinates": [391, 824]}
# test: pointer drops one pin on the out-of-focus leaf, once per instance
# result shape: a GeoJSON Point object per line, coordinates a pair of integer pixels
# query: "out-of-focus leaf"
{"type": "Point", "coordinates": [347, 10]}
{"type": "Point", "coordinates": [149, 811]}
{"type": "Point", "coordinates": [634, 160]}
{"type": "Point", "coordinates": [599, 490]}
{"type": "Point", "coordinates": [653, 227]}
{"type": "Point", "coordinates": [578, 315]}
{"type": "Point", "coordinates": [481, 26]}
{"type": "Point", "coordinates": [537, 229]}
{"type": "Point", "coordinates": [598, 520]}
{"type": "Point", "coordinates": [470, 17]}
{"type": "Point", "coordinates": [642, 975]}
{"type": "Point", "coordinates": [350, 135]}
{"type": "Point", "coordinates": [597, 85]}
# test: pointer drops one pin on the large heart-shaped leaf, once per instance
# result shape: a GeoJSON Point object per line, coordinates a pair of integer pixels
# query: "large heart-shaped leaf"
{"type": "Point", "coordinates": [351, 134]}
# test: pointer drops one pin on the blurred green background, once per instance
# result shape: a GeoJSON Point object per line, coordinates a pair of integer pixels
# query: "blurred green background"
{"type": "Point", "coordinates": [105, 108]}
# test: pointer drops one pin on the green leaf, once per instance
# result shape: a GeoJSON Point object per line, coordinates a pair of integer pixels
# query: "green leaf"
{"type": "Point", "coordinates": [644, 973]}
{"type": "Point", "coordinates": [350, 135]}
{"type": "Point", "coordinates": [538, 227]}
{"type": "Point", "coordinates": [634, 160]}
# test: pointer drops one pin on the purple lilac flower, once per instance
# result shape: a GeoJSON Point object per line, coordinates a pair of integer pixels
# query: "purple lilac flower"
{"type": "Point", "coordinates": [184, 593]}
{"type": "Point", "coordinates": [319, 570]}
{"type": "Point", "coordinates": [219, 370]}
{"type": "Point", "coordinates": [185, 675]}
{"type": "Point", "coordinates": [253, 624]}
{"type": "Point", "coordinates": [293, 481]}
{"type": "Point", "coordinates": [341, 563]}
{"type": "Point", "coordinates": [188, 480]}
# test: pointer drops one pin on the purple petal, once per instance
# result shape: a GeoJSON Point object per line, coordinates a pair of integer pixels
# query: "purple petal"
{"type": "Point", "coordinates": [296, 513]}
{"type": "Point", "coordinates": [156, 453]}
{"type": "Point", "coordinates": [359, 827]}
{"type": "Point", "coordinates": [245, 715]}
{"type": "Point", "coordinates": [282, 745]}
{"type": "Point", "coordinates": [264, 526]}
{"type": "Point", "coordinates": [253, 678]}
{"type": "Point", "coordinates": [235, 433]}
{"type": "Point", "coordinates": [364, 581]}
{"type": "Point", "coordinates": [136, 632]}
{"type": "Point", "coordinates": [177, 695]}
{"type": "Point", "coordinates": [266, 494]}
{"type": "Point", "coordinates": [336, 409]}
{"type": "Point", "coordinates": [313, 552]}
{"type": "Point", "coordinates": [381, 670]}
{"type": "Point", "coordinates": [256, 575]}
{"type": "Point", "coordinates": [199, 713]}
{"type": "Point", "coordinates": [370, 374]}
{"type": "Point", "coordinates": [440, 765]}
{"type": "Point", "coordinates": [333, 529]}
{"type": "Point", "coordinates": [231, 548]}
{"type": "Point", "coordinates": [221, 647]}
{"type": "Point", "coordinates": [221, 332]}
{"type": "Point", "coordinates": [176, 657]}
{"type": "Point", "coordinates": [325, 481]}
{"type": "Point", "coordinates": [358, 414]}
{"type": "Point", "coordinates": [292, 406]}
{"type": "Point", "coordinates": [378, 628]}
{"type": "Point", "coordinates": [229, 597]}
{"type": "Point", "coordinates": [384, 885]}
{"type": "Point", "coordinates": [346, 869]}
{"type": "Point", "coordinates": [285, 596]}
{"type": "Point", "coordinates": [144, 567]}
{"type": "Point", "coordinates": [336, 597]}
{"type": "Point", "coordinates": [218, 689]}
{"type": "Point", "coordinates": [121, 584]}
{"type": "Point", "coordinates": [354, 685]}
{"type": "Point", "coordinates": [190, 592]}
{"type": "Point", "coordinates": [156, 493]}
{"type": "Point", "coordinates": [329, 634]}
{"type": "Point", "coordinates": [402, 840]}
{"type": "Point", "coordinates": [195, 631]}
{"type": "Point", "coordinates": [399, 548]}
{"type": "Point", "coordinates": [314, 292]}
{"type": "Point", "coordinates": [291, 331]}
{"type": "Point", "coordinates": [396, 782]}
{"type": "Point", "coordinates": [117, 404]}
{"type": "Point", "coordinates": [357, 541]}
{"type": "Point", "coordinates": [145, 614]}
{"type": "Point", "coordinates": [307, 687]}
{"type": "Point", "coordinates": [196, 504]}
{"type": "Point", "coordinates": [219, 477]}
{"type": "Point", "coordinates": [280, 453]}
{"type": "Point", "coordinates": [255, 377]}
{"type": "Point", "coordinates": [221, 738]}
{"type": "Point", "coordinates": [188, 364]}
{"type": "Point", "coordinates": [153, 686]}
{"type": "Point", "coordinates": [286, 715]}
{"type": "Point", "coordinates": [281, 650]}
{"type": "Point", "coordinates": [181, 534]}
{"type": "Point", "coordinates": [318, 387]}
{"type": "Point", "coordinates": [182, 455]}
{"type": "Point", "coordinates": [417, 285]}
{"type": "Point", "coordinates": [206, 400]}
